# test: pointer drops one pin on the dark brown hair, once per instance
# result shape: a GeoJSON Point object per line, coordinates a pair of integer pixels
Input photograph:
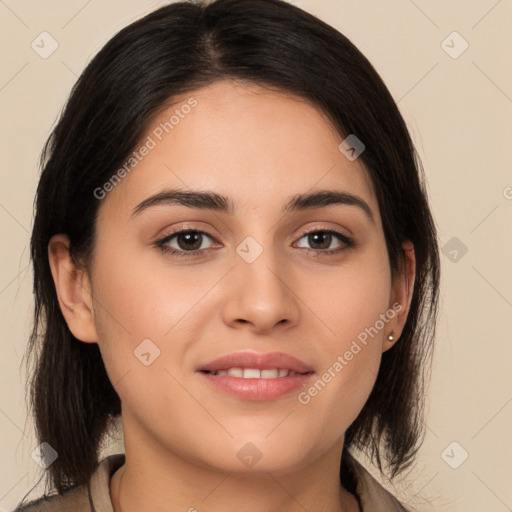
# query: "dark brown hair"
{"type": "Point", "coordinates": [174, 50]}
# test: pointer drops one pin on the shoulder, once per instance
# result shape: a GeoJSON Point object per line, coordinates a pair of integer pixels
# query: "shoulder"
{"type": "Point", "coordinates": [81, 498]}
{"type": "Point", "coordinates": [372, 495]}
{"type": "Point", "coordinates": [75, 499]}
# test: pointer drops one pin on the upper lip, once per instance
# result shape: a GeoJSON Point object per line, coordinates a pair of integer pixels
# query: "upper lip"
{"type": "Point", "coordinates": [261, 361]}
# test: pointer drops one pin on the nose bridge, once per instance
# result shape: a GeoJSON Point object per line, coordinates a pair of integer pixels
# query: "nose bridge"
{"type": "Point", "coordinates": [258, 264]}
{"type": "Point", "coordinates": [259, 292]}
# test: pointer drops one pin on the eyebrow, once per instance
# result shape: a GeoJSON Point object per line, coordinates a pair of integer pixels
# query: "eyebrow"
{"type": "Point", "coordinates": [223, 204]}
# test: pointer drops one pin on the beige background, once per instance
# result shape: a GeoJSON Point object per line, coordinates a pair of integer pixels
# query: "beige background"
{"type": "Point", "coordinates": [458, 110]}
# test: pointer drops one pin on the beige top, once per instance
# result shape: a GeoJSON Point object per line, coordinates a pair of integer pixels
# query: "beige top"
{"type": "Point", "coordinates": [372, 496]}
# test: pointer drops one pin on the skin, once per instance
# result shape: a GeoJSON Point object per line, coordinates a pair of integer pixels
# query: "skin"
{"type": "Point", "coordinates": [182, 436]}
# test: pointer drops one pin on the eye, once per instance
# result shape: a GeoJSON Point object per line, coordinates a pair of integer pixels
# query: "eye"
{"type": "Point", "coordinates": [185, 242]}
{"type": "Point", "coordinates": [321, 241]}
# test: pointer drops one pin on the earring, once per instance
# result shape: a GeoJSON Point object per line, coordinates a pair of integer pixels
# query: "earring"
{"type": "Point", "coordinates": [391, 338]}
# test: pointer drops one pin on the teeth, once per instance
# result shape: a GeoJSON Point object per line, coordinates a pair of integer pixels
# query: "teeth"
{"type": "Point", "coordinates": [255, 373]}
{"type": "Point", "coordinates": [269, 374]}
{"type": "Point", "coordinates": [252, 373]}
{"type": "Point", "coordinates": [236, 372]}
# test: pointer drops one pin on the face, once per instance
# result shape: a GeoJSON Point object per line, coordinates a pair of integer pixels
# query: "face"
{"type": "Point", "coordinates": [255, 271]}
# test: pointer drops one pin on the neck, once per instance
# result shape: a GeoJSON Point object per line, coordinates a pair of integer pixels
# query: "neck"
{"type": "Point", "coordinates": [161, 480]}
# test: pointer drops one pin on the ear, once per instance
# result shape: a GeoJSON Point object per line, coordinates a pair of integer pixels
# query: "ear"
{"type": "Point", "coordinates": [73, 290]}
{"type": "Point", "coordinates": [401, 295]}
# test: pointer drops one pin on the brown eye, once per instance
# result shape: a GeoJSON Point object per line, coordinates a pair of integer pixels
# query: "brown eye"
{"type": "Point", "coordinates": [186, 242]}
{"type": "Point", "coordinates": [189, 240]}
{"type": "Point", "coordinates": [321, 241]}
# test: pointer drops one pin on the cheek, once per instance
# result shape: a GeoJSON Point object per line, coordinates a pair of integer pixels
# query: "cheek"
{"type": "Point", "coordinates": [137, 300]}
{"type": "Point", "coordinates": [353, 306]}
{"type": "Point", "coordinates": [142, 300]}
{"type": "Point", "coordinates": [350, 299]}
{"type": "Point", "coordinates": [137, 313]}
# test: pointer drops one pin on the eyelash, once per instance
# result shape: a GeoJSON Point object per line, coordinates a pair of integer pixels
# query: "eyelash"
{"type": "Point", "coordinates": [349, 243]}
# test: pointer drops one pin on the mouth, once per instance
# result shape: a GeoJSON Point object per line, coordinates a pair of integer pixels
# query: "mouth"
{"type": "Point", "coordinates": [250, 362]}
{"type": "Point", "coordinates": [256, 373]}
{"type": "Point", "coordinates": [257, 377]}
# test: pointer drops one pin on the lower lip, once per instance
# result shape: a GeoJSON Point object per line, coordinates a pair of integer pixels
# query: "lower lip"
{"type": "Point", "coordinates": [257, 389]}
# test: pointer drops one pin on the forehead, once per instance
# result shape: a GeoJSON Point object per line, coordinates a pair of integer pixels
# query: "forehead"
{"type": "Point", "coordinates": [244, 141]}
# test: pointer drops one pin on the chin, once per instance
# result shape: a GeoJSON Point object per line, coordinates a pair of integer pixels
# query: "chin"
{"type": "Point", "coordinates": [253, 453]}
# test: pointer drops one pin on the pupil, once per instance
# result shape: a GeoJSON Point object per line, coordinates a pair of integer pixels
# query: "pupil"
{"type": "Point", "coordinates": [189, 237]}
{"type": "Point", "coordinates": [313, 238]}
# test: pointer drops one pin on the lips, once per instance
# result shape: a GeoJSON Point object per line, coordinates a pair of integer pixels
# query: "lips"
{"type": "Point", "coordinates": [253, 360]}
{"type": "Point", "coordinates": [257, 377]}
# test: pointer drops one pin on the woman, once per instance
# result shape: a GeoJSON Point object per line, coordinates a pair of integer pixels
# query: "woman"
{"type": "Point", "coordinates": [233, 252]}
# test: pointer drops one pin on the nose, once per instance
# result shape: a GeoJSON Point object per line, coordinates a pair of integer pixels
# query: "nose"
{"type": "Point", "coordinates": [259, 296]}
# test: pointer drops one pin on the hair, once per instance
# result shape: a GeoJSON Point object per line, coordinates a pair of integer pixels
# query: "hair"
{"type": "Point", "coordinates": [172, 51]}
